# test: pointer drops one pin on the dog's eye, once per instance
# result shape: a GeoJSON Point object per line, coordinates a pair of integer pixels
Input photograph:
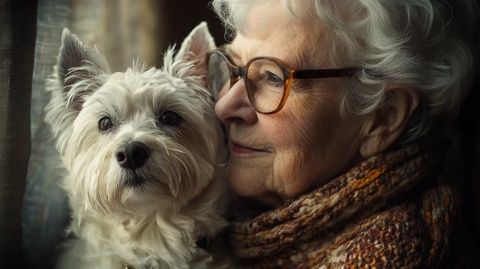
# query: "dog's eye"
{"type": "Point", "coordinates": [105, 123]}
{"type": "Point", "coordinates": [170, 118]}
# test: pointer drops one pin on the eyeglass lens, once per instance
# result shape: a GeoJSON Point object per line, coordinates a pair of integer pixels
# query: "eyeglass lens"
{"type": "Point", "coordinates": [265, 81]}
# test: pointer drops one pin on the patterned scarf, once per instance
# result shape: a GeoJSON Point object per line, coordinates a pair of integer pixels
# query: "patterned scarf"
{"type": "Point", "coordinates": [390, 211]}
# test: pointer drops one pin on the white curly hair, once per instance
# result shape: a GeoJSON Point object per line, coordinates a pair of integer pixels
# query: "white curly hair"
{"type": "Point", "coordinates": [420, 43]}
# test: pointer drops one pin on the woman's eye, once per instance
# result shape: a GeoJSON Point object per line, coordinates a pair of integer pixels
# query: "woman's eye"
{"type": "Point", "coordinates": [273, 79]}
{"type": "Point", "coordinates": [105, 123]}
{"type": "Point", "coordinates": [169, 118]}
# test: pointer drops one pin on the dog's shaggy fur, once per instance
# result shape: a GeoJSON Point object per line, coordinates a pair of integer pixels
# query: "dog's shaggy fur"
{"type": "Point", "coordinates": [149, 215]}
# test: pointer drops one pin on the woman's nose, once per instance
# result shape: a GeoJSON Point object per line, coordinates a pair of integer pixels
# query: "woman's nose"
{"type": "Point", "coordinates": [233, 105]}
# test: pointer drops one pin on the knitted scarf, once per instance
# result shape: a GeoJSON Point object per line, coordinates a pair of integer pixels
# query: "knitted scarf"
{"type": "Point", "coordinates": [390, 211]}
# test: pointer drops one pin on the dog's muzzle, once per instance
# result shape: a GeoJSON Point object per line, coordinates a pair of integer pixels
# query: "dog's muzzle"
{"type": "Point", "coordinates": [133, 156]}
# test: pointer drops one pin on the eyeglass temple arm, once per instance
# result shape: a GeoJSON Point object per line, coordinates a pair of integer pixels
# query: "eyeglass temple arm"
{"type": "Point", "coordinates": [324, 73]}
{"type": "Point", "coordinates": [238, 71]}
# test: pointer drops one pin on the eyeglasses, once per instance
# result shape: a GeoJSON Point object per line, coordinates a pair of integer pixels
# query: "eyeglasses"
{"type": "Point", "coordinates": [267, 80]}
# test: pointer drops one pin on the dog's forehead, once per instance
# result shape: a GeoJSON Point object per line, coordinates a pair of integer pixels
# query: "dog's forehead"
{"type": "Point", "coordinates": [151, 81]}
{"type": "Point", "coordinates": [151, 89]}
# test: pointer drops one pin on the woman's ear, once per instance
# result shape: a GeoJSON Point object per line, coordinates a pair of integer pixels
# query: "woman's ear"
{"type": "Point", "coordinates": [385, 125]}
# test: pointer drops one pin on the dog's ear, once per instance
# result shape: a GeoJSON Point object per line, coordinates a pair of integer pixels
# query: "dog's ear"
{"type": "Point", "coordinates": [79, 69]}
{"type": "Point", "coordinates": [195, 47]}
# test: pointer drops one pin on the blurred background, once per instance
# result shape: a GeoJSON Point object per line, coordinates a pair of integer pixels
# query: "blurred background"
{"type": "Point", "coordinates": [121, 30]}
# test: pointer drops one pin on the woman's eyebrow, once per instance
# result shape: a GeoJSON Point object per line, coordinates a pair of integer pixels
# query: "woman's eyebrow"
{"type": "Point", "coordinates": [297, 60]}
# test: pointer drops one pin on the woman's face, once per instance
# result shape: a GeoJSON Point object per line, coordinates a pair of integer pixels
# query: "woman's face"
{"type": "Point", "coordinates": [278, 156]}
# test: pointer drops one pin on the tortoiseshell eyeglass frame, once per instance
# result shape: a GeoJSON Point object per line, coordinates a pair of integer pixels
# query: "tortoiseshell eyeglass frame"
{"type": "Point", "coordinates": [289, 73]}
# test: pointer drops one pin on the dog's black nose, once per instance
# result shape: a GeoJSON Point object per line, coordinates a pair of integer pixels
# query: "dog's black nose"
{"type": "Point", "coordinates": [133, 156]}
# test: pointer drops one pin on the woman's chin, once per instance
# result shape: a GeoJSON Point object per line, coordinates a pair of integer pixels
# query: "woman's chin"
{"type": "Point", "coordinates": [251, 192]}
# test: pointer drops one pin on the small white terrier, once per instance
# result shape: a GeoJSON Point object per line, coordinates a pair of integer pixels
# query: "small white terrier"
{"type": "Point", "coordinates": [141, 151]}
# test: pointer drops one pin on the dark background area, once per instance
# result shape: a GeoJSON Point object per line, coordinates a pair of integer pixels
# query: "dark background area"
{"type": "Point", "coordinates": [199, 10]}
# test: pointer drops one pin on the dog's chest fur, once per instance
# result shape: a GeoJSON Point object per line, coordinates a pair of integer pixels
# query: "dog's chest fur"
{"type": "Point", "coordinates": [161, 240]}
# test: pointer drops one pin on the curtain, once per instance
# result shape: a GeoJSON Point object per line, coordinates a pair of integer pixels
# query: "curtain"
{"type": "Point", "coordinates": [17, 41]}
{"type": "Point", "coordinates": [45, 210]}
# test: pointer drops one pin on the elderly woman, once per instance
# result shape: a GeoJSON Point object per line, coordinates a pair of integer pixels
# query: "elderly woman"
{"type": "Point", "coordinates": [336, 114]}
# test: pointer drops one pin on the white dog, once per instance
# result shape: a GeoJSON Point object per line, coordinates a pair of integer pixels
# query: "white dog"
{"type": "Point", "coordinates": [141, 150]}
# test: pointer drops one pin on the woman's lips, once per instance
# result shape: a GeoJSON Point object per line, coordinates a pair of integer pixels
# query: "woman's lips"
{"type": "Point", "coordinates": [239, 148]}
